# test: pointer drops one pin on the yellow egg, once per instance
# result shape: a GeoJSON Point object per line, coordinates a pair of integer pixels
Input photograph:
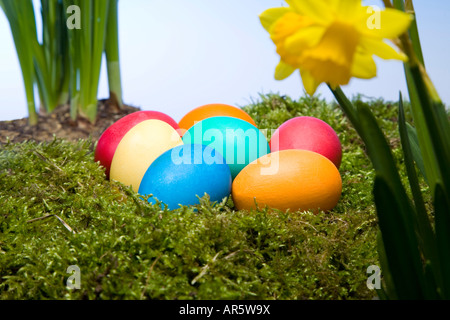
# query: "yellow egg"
{"type": "Point", "coordinates": [288, 180]}
{"type": "Point", "coordinates": [138, 148]}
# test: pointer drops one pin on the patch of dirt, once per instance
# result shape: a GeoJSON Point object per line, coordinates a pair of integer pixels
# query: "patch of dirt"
{"type": "Point", "coordinates": [60, 124]}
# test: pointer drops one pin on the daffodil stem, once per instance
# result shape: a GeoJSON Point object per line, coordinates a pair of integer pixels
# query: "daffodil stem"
{"type": "Point", "coordinates": [414, 62]}
{"type": "Point", "coordinates": [388, 4]}
{"type": "Point", "coordinates": [347, 106]}
{"type": "Point", "coordinates": [414, 32]}
{"type": "Point", "coordinates": [410, 45]}
{"type": "Point", "coordinates": [112, 54]}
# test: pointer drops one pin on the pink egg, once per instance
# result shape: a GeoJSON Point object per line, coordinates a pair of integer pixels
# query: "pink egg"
{"type": "Point", "coordinates": [308, 133]}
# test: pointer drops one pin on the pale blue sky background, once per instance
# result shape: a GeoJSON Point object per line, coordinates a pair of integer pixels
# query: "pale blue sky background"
{"type": "Point", "coordinates": [180, 54]}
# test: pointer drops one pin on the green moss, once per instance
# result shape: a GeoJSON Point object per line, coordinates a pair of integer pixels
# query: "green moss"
{"type": "Point", "coordinates": [128, 249]}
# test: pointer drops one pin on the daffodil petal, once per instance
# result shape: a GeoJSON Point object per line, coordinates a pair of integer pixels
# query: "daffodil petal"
{"type": "Point", "coordinates": [304, 39]}
{"type": "Point", "coordinates": [348, 9]}
{"type": "Point", "coordinates": [381, 49]}
{"type": "Point", "coordinates": [334, 4]}
{"type": "Point", "coordinates": [388, 23]}
{"type": "Point", "coordinates": [283, 70]}
{"type": "Point", "coordinates": [364, 66]}
{"type": "Point", "coordinates": [309, 82]}
{"type": "Point", "coordinates": [317, 10]}
{"type": "Point", "coordinates": [270, 16]}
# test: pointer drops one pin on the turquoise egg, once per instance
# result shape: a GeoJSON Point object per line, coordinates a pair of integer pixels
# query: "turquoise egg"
{"type": "Point", "coordinates": [183, 174]}
{"type": "Point", "coordinates": [238, 141]}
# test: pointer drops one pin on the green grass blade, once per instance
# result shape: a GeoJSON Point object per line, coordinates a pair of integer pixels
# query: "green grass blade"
{"type": "Point", "coordinates": [378, 149]}
{"type": "Point", "coordinates": [438, 127]}
{"type": "Point", "coordinates": [404, 219]}
{"type": "Point", "coordinates": [408, 6]}
{"type": "Point", "coordinates": [91, 44]}
{"type": "Point", "coordinates": [86, 59]}
{"type": "Point", "coordinates": [348, 108]}
{"type": "Point", "coordinates": [414, 32]}
{"type": "Point", "coordinates": [425, 233]}
{"type": "Point", "coordinates": [423, 221]}
{"type": "Point", "coordinates": [43, 72]}
{"type": "Point", "coordinates": [46, 60]}
{"type": "Point", "coordinates": [402, 255]}
{"type": "Point", "coordinates": [86, 48]}
{"type": "Point", "coordinates": [44, 56]}
{"type": "Point", "coordinates": [430, 166]}
{"type": "Point", "coordinates": [429, 161]}
{"type": "Point", "coordinates": [19, 20]}
{"type": "Point", "coordinates": [62, 53]}
{"type": "Point", "coordinates": [399, 5]}
{"type": "Point", "coordinates": [55, 73]}
{"type": "Point", "coordinates": [415, 148]}
{"type": "Point", "coordinates": [101, 8]}
{"type": "Point", "coordinates": [442, 218]}
{"type": "Point", "coordinates": [73, 60]}
{"type": "Point", "coordinates": [387, 292]}
{"type": "Point", "coordinates": [112, 55]}
{"type": "Point", "coordinates": [43, 78]}
{"type": "Point", "coordinates": [398, 226]}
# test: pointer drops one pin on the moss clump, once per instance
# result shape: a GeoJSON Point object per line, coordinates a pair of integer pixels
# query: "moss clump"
{"type": "Point", "coordinates": [128, 249]}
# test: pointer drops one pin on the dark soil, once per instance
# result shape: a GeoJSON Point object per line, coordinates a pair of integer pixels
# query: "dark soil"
{"type": "Point", "coordinates": [59, 124]}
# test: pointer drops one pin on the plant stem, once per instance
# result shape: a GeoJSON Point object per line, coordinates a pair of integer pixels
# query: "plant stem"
{"type": "Point", "coordinates": [414, 32]}
{"type": "Point", "coordinates": [112, 55]}
{"type": "Point", "coordinates": [19, 17]}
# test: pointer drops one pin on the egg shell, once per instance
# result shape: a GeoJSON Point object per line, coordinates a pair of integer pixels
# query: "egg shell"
{"type": "Point", "coordinates": [289, 179]}
{"type": "Point", "coordinates": [308, 133]}
{"type": "Point", "coordinates": [237, 140]}
{"type": "Point", "coordinates": [181, 174]}
{"type": "Point", "coordinates": [139, 147]}
{"type": "Point", "coordinates": [111, 137]}
{"type": "Point", "coordinates": [213, 110]}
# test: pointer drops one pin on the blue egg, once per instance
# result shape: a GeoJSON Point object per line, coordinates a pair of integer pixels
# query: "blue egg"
{"type": "Point", "coordinates": [181, 174]}
{"type": "Point", "coordinates": [238, 141]}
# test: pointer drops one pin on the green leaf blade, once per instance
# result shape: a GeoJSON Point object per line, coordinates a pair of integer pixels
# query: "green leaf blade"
{"type": "Point", "coordinates": [442, 210]}
{"type": "Point", "coordinates": [402, 254]}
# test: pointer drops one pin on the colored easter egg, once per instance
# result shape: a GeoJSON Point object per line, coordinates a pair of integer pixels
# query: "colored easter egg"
{"type": "Point", "coordinates": [237, 140]}
{"type": "Point", "coordinates": [288, 179]}
{"type": "Point", "coordinates": [139, 147]}
{"type": "Point", "coordinates": [213, 110]}
{"type": "Point", "coordinates": [109, 140]}
{"type": "Point", "coordinates": [308, 133]}
{"type": "Point", "coordinates": [181, 175]}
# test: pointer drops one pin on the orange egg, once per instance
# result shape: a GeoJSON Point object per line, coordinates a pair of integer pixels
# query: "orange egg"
{"type": "Point", "coordinates": [213, 110]}
{"type": "Point", "coordinates": [289, 179]}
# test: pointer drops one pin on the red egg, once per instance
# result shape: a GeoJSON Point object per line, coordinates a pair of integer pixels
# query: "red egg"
{"type": "Point", "coordinates": [308, 133]}
{"type": "Point", "coordinates": [110, 139]}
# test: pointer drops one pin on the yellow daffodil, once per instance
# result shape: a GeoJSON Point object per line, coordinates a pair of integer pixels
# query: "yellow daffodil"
{"type": "Point", "coordinates": [332, 41]}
